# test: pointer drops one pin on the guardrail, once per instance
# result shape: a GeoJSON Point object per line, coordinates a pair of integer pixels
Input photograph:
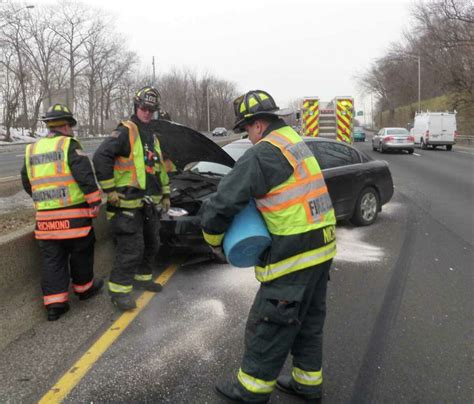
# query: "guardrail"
{"type": "Point", "coordinates": [465, 139]}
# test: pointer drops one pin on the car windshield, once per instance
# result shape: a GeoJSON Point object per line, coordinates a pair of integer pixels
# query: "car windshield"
{"type": "Point", "coordinates": [234, 150]}
{"type": "Point", "coordinates": [397, 131]}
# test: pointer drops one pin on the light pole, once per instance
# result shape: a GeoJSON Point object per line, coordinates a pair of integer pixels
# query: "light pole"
{"type": "Point", "coordinates": [208, 113]}
{"type": "Point", "coordinates": [419, 83]}
{"type": "Point", "coordinates": [29, 6]}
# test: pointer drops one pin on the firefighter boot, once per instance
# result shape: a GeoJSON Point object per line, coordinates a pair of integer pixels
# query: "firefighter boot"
{"type": "Point", "coordinates": [288, 385]}
{"type": "Point", "coordinates": [150, 286]}
{"type": "Point", "coordinates": [92, 291]}
{"type": "Point", "coordinates": [56, 310]}
{"type": "Point", "coordinates": [123, 301]}
{"type": "Point", "coordinates": [231, 392]}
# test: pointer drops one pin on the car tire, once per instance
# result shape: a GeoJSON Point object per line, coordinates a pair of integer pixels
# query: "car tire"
{"type": "Point", "coordinates": [410, 151]}
{"type": "Point", "coordinates": [373, 147]}
{"type": "Point", "coordinates": [449, 147]}
{"type": "Point", "coordinates": [380, 148]}
{"type": "Point", "coordinates": [367, 207]}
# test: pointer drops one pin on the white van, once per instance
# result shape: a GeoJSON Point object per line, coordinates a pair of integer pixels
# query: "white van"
{"type": "Point", "coordinates": [434, 129]}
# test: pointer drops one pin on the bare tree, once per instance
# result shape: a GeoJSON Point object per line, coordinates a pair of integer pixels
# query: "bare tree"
{"type": "Point", "coordinates": [71, 23]}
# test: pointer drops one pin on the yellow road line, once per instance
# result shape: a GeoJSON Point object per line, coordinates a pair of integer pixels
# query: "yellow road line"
{"type": "Point", "coordinates": [74, 375]}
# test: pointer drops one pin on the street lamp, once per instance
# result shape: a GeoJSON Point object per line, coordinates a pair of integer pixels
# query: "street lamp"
{"type": "Point", "coordinates": [419, 74]}
{"type": "Point", "coordinates": [29, 6]}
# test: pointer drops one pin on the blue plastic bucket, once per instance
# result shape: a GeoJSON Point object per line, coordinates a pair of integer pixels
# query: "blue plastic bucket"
{"type": "Point", "coordinates": [246, 238]}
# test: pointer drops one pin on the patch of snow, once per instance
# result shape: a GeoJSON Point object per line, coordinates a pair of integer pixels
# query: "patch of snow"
{"type": "Point", "coordinates": [15, 202]}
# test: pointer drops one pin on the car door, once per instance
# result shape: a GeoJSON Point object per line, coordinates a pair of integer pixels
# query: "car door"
{"type": "Point", "coordinates": [337, 162]}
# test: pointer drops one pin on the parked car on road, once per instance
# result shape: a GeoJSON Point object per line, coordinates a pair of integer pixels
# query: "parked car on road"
{"type": "Point", "coordinates": [219, 132]}
{"type": "Point", "coordinates": [358, 134]}
{"type": "Point", "coordinates": [393, 139]}
{"type": "Point", "coordinates": [357, 184]}
{"type": "Point", "coordinates": [433, 129]}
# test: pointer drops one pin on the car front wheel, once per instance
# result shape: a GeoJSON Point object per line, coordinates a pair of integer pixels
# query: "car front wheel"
{"type": "Point", "coordinates": [367, 207]}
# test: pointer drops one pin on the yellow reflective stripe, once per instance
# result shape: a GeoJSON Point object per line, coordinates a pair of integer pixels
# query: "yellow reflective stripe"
{"type": "Point", "coordinates": [116, 288]}
{"type": "Point", "coordinates": [255, 385]}
{"type": "Point", "coordinates": [106, 184]}
{"type": "Point", "coordinates": [143, 277]}
{"type": "Point", "coordinates": [214, 240]}
{"type": "Point", "coordinates": [296, 263]}
{"type": "Point", "coordinates": [307, 378]}
{"type": "Point", "coordinates": [110, 215]}
{"type": "Point", "coordinates": [131, 204]}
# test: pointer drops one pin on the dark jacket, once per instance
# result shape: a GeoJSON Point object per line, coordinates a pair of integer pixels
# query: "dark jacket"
{"type": "Point", "coordinates": [118, 145]}
{"type": "Point", "coordinates": [81, 170]}
{"type": "Point", "coordinates": [260, 169]}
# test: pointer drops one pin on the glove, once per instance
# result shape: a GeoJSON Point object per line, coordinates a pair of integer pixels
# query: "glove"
{"type": "Point", "coordinates": [166, 203]}
{"type": "Point", "coordinates": [95, 211]}
{"type": "Point", "coordinates": [114, 198]}
{"type": "Point", "coordinates": [219, 253]}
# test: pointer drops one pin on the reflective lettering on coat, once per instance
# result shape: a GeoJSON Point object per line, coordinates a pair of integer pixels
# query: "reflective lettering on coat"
{"type": "Point", "coordinates": [44, 158]}
{"type": "Point", "coordinates": [329, 234]}
{"type": "Point", "coordinates": [50, 194]}
{"type": "Point", "coordinates": [54, 225]}
{"type": "Point", "coordinates": [319, 206]}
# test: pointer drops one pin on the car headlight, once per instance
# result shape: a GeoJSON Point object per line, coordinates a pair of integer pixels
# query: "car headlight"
{"type": "Point", "coordinates": [177, 212]}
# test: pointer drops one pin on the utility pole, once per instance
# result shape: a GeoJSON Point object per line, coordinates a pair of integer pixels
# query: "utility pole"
{"type": "Point", "coordinates": [371, 112]}
{"type": "Point", "coordinates": [153, 77]}
{"type": "Point", "coordinates": [419, 83]}
{"type": "Point", "coordinates": [208, 114]}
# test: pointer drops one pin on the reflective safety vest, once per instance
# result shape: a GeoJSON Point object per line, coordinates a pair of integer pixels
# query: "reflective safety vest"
{"type": "Point", "coordinates": [55, 191]}
{"type": "Point", "coordinates": [299, 205]}
{"type": "Point", "coordinates": [131, 171]}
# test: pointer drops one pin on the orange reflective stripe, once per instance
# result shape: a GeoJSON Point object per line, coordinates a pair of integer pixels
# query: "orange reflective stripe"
{"type": "Point", "coordinates": [57, 298]}
{"type": "Point", "coordinates": [62, 234]}
{"type": "Point", "coordinates": [82, 288]}
{"type": "Point", "coordinates": [300, 166]}
{"type": "Point", "coordinates": [93, 197]}
{"type": "Point", "coordinates": [294, 201]}
{"type": "Point", "coordinates": [62, 214]}
{"type": "Point", "coordinates": [294, 192]}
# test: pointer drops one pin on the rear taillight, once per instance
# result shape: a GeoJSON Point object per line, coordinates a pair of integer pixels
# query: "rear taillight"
{"type": "Point", "coordinates": [388, 139]}
{"type": "Point", "coordinates": [410, 138]}
{"type": "Point", "coordinates": [427, 133]}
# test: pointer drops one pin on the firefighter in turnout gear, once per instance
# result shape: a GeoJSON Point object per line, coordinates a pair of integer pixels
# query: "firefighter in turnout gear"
{"type": "Point", "coordinates": [287, 315]}
{"type": "Point", "coordinates": [58, 175]}
{"type": "Point", "coordinates": [129, 167]}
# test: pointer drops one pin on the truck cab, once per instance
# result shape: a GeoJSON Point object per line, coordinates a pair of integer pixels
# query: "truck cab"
{"type": "Point", "coordinates": [433, 129]}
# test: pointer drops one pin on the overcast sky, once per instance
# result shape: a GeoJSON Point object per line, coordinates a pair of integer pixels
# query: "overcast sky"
{"type": "Point", "coordinates": [291, 48]}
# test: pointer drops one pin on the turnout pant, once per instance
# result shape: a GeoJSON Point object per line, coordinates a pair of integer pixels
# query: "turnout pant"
{"type": "Point", "coordinates": [136, 236]}
{"type": "Point", "coordinates": [64, 260]}
{"type": "Point", "coordinates": [287, 315]}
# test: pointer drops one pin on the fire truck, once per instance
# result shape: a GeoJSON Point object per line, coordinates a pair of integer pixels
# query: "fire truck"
{"type": "Point", "coordinates": [328, 119]}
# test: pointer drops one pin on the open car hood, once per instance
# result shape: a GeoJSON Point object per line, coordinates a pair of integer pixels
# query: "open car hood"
{"type": "Point", "coordinates": [184, 145]}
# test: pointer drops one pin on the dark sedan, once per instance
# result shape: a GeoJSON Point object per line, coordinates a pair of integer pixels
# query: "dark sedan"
{"type": "Point", "coordinates": [357, 184]}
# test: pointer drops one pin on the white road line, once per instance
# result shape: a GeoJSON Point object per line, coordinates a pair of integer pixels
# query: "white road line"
{"type": "Point", "coordinates": [465, 152]}
{"type": "Point", "coordinates": [6, 179]}
{"type": "Point", "coordinates": [417, 155]}
{"type": "Point", "coordinates": [20, 155]}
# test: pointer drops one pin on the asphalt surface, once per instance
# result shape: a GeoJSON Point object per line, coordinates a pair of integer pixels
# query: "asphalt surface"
{"type": "Point", "coordinates": [399, 325]}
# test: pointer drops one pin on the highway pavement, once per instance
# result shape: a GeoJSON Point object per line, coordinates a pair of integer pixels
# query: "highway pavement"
{"type": "Point", "coordinates": [399, 325]}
